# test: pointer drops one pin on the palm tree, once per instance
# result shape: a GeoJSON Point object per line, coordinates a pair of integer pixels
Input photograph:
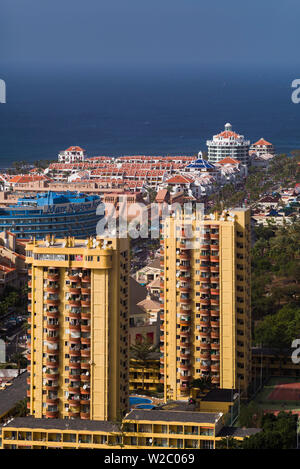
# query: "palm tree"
{"type": "Point", "coordinates": [20, 409]}
{"type": "Point", "coordinates": [142, 353]}
{"type": "Point", "coordinates": [20, 360]}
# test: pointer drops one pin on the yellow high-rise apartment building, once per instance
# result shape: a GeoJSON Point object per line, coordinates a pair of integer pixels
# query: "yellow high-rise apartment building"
{"type": "Point", "coordinates": [205, 288]}
{"type": "Point", "coordinates": [78, 328]}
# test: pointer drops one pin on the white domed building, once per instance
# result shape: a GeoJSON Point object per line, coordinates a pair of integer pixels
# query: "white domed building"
{"type": "Point", "coordinates": [228, 144]}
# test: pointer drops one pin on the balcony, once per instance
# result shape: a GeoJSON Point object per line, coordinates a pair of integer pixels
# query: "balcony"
{"type": "Point", "coordinates": [75, 289]}
{"type": "Point", "coordinates": [204, 333]}
{"type": "Point", "coordinates": [215, 334]}
{"type": "Point", "coordinates": [215, 367]}
{"type": "Point", "coordinates": [74, 400]}
{"type": "Point", "coordinates": [214, 322]}
{"type": "Point", "coordinates": [214, 258]}
{"type": "Point", "coordinates": [204, 322]}
{"type": "Point", "coordinates": [52, 326]}
{"type": "Point", "coordinates": [184, 301]}
{"type": "Point", "coordinates": [184, 255]}
{"type": "Point", "coordinates": [74, 326]}
{"type": "Point", "coordinates": [53, 414]}
{"type": "Point", "coordinates": [184, 268]}
{"type": "Point", "coordinates": [185, 354]}
{"type": "Point", "coordinates": [185, 342]}
{"type": "Point", "coordinates": [184, 366]}
{"type": "Point", "coordinates": [184, 245]}
{"type": "Point", "coordinates": [74, 302]}
{"type": "Point", "coordinates": [185, 320]}
{"type": "Point", "coordinates": [74, 276]}
{"type": "Point", "coordinates": [74, 352]}
{"type": "Point", "coordinates": [74, 387]}
{"type": "Point", "coordinates": [52, 301]}
{"type": "Point", "coordinates": [52, 349]}
{"type": "Point", "coordinates": [204, 301]}
{"type": "Point", "coordinates": [205, 346]}
{"type": "Point", "coordinates": [205, 353]}
{"type": "Point", "coordinates": [205, 257]}
{"type": "Point", "coordinates": [86, 352]}
{"type": "Point", "coordinates": [51, 385]}
{"type": "Point", "coordinates": [52, 276]}
{"type": "Point", "coordinates": [52, 289]}
{"type": "Point", "coordinates": [86, 279]}
{"type": "Point", "coordinates": [74, 413]}
{"type": "Point", "coordinates": [85, 315]}
{"type": "Point", "coordinates": [85, 340]}
{"type": "Point", "coordinates": [85, 365]}
{"type": "Point", "coordinates": [50, 337]}
{"type": "Point", "coordinates": [85, 399]}
{"type": "Point", "coordinates": [74, 365]}
{"type": "Point", "coordinates": [85, 378]}
{"type": "Point", "coordinates": [51, 373]}
{"type": "Point", "coordinates": [85, 328]}
{"type": "Point", "coordinates": [75, 315]}
{"type": "Point", "coordinates": [86, 302]}
{"type": "Point", "coordinates": [52, 362]}
{"type": "Point", "coordinates": [52, 400]}
{"type": "Point", "coordinates": [52, 313]}
{"type": "Point", "coordinates": [215, 346]}
{"type": "Point", "coordinates": [74, 338]}
{"type": "Point", "coordinates": [214, 301]}
{"type": "Point", "coordinates": [205, 313]}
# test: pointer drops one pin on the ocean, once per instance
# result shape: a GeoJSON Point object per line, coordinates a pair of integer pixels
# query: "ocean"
{"type": "Point", "coordinates": [153, 111]}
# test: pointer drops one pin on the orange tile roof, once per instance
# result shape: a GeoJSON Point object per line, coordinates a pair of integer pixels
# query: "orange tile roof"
{"type": "Point", "coordinates": [74, 149]}
{"type": "Point", "coordinates": [179, 180]}
{"type": "Point", "coordinates": [25, 178]}
{"type": "Point", "coordinates": [262, 141]}
{"type": "Point", "coordinates": [229, 160]}
{"type": "Point", "coordinates": [228, 134]}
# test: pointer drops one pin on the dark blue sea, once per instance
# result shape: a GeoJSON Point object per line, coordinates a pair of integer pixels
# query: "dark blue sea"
{"type": "Point", "coordinates": [132, 110]}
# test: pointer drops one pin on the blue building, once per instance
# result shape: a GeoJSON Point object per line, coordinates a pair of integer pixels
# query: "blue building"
{"type": "Point", "coordinates": [61, 214]}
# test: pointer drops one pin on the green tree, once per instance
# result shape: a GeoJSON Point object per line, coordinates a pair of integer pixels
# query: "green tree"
{"type": "Point", "coordinates": [142, 353]}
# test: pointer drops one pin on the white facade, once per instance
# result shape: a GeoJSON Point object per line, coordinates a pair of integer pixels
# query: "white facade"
{"type": "Point", "coordinates": [262, 147]}
{"type": "Point", "coordinates": [71, 155]}
{"type": "Point", "coordinates": [228, 144]}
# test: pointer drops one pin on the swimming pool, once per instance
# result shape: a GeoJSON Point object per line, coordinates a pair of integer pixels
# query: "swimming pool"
{"type": "Point", "coordinates": [138, 400]}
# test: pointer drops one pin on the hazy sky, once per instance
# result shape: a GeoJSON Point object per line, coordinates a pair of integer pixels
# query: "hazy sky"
{"type": "Point", "coordinates": [150, 31]}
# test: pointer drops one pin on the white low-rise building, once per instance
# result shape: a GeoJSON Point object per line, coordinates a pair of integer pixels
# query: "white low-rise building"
{"type": "Point", "coordinates": [71, 155]}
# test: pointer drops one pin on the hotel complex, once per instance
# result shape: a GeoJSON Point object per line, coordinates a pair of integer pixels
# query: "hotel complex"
{"type": "Point", "coordinates": [78, 328]}
{"type": "Point", "coordinates": [63, 214]}
{"type": "Point", "coordinates": [228, 144]}
{"type": "Point", "coordinates": [205, 290]}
